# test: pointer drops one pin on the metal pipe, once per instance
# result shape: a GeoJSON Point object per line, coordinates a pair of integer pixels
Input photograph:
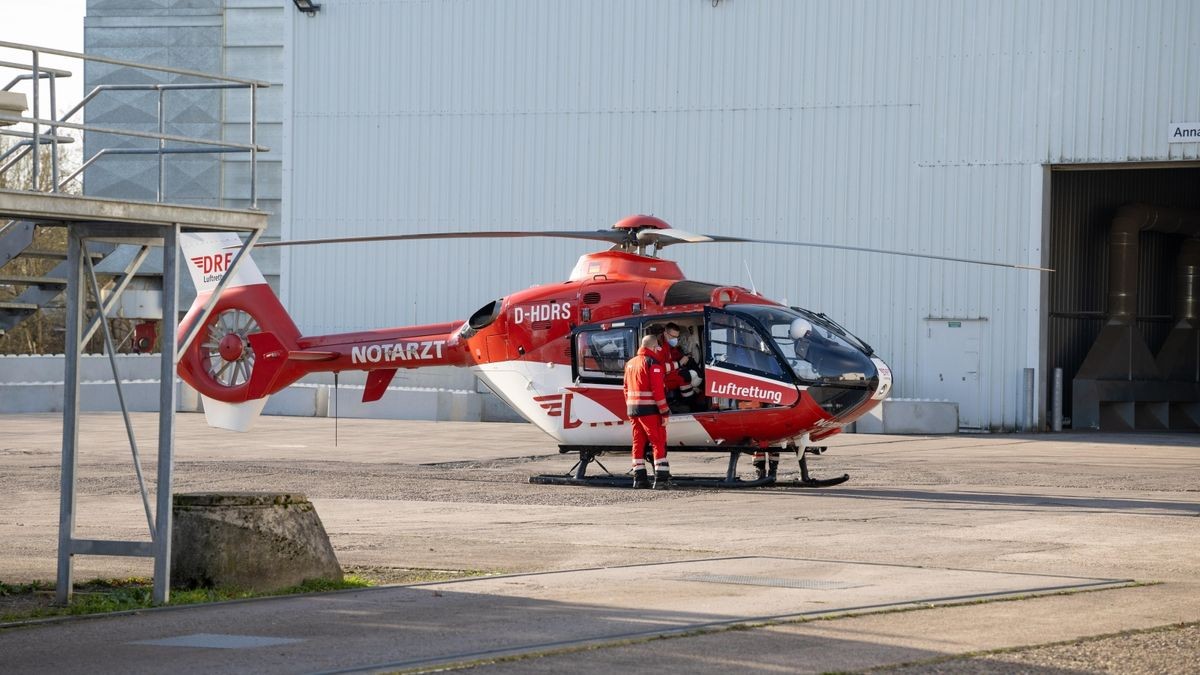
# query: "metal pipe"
{"type": "Point", "coordinates": [53, 136]}
{"type": "Point", "coordinates": [135, 134]}
{"type": "Point", "coordinates": [161, 144]}
{"type": "Point", "coordinates": [1187, 281]}
{"type": "Point", "coordinates": [142, 151]}
{"type": "Point", "coordinates": [37, 140]}
{"type": "Point", "coordinates": [70, 435]}
{"type": "Point", "coordinates": [1029, 421]}
{"type": "Point", "coordinates": [253, 144]}
{"type": "Point", "coordinates": [166, 414]}
{"type": "Point", "coordinates": [1057, 415]}
{"type": "Point", "coordinates": [1129, 222]}
{"type": "Point", "coordinates": [131, 64]}
{"type": "Point", "coordinates": [98, 89]}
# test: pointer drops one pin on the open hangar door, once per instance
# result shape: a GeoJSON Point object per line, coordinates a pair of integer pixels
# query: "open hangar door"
{"type": "Point", "coordinates": [1121, 321]}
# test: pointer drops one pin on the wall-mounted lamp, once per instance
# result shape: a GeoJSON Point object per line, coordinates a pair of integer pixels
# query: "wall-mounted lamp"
{"type": "Point", "coordinates": [307, 6]}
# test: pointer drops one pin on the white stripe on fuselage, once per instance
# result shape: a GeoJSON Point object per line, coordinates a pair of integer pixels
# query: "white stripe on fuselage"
{"type": "Point", "coordinates": [519, 383]}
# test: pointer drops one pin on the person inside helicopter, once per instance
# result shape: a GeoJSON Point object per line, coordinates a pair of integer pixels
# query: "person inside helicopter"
{"type": "Point", "coordinates": [683, 379]}
{"type": "Point", "coordinates": [818, 356]}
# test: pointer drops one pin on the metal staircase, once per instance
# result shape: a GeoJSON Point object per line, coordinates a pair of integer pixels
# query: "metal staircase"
{"type": "Point", "coordinates": [36, 130]}
{"type": "Point", "coordinates": [17, 237]}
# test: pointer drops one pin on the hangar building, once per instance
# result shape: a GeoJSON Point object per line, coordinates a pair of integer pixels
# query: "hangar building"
{"type": "Point", "coordinates": [1010, 131]}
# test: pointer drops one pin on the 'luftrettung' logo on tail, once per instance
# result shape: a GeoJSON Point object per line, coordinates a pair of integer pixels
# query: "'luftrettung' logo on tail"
{"type": "Point", "coordinates": [209, 256]}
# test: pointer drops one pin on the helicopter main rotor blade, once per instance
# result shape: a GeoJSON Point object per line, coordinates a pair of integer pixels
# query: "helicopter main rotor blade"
{"type": "Point", "coordinates": [610, 236]}
{"type": "Point", "coordinates": [647, 237]}
{"type": "Point", "coordinates": [664, 237]}
{"type": "Point", "coordinates": [742, 240]}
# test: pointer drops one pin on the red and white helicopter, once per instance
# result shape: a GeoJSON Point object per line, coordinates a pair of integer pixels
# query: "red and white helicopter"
{"type": "Point", "coordinates": [773, 376]}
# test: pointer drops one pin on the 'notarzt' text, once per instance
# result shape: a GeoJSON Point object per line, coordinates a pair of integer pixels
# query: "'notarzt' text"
{"type": "Point", "coordinates": [401, 351]}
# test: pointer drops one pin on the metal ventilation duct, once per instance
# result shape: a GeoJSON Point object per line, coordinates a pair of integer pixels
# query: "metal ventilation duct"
{"type": "Point", "coordinates": [1131, 220]}
{"type": "Point", "coordinates": [1119, 384]}
{"type": "Point", "coordinates": [1179, 358]}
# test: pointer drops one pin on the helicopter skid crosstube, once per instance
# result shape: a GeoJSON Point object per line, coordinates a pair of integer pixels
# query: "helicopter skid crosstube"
{"type": "Point", "coordinates": [688, 482]}
{"type": "Point", "coordinates": [587, 455]}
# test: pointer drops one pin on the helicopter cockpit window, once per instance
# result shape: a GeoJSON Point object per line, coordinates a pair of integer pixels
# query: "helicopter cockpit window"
{"type": "Point", "coordinates": [733, 341]}
{"type": "Point", "coordinates": [815, 350]}
{"type": "Point", "coordinates": [603, 353]}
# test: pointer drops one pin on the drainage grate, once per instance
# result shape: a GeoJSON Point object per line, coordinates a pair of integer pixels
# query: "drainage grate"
{"type": "Point", "coordinates": [741, 580]}
{"type": "Point", "coordinates": [214, 641]}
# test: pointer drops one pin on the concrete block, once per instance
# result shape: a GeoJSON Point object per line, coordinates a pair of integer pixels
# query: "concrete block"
{"type": "Point", "coordinates": [396, 404]}
{"type": "Point", "coordinates": [52, 367]}
{"type": "Point", "coordinates": [299, 401]}
{"type": "Point", "coordinates": [919, 416]}
{"type": "Point", "coordinates": [495, 409]}
{"type": "Point", "coordinates": [251, 541]}
{"type": "Point", "coordinates": [871, 422]}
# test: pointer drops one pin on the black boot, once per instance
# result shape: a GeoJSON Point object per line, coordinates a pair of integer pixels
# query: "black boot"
{"type": "Point", "coordinates": [662, 480]}
{"type": "Point", "coordinates": [772, 469]}
{"type": "Point", "coordinates": [640, 481]}
{"type": "Point", "coordinates": [760, 468]}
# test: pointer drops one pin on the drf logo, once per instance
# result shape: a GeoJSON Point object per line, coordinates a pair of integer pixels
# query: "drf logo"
{"type": "Point", "coordinates": [217, 262]}
{"type": "Point", "coordinates": [558, 405]}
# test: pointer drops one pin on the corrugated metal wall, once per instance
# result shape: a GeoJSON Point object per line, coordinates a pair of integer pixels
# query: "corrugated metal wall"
{"type": "Point", "coordinates": [918, 126]}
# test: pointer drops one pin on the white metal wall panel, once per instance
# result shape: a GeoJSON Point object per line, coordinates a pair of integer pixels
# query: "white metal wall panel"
{"type": "Point", "coordinates": [910, 125]}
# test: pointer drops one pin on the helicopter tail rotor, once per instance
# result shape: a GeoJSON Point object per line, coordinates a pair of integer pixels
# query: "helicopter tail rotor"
{"type": "Point", "coordinates": [239, 356]}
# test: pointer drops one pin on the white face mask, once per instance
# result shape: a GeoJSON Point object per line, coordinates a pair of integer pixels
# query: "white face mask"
{"type": "Point", "coordinates": [674, 342]}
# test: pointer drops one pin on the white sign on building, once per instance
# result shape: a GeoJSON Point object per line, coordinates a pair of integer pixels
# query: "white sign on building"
{"type": "Point", "coordinates": [1183, 132]}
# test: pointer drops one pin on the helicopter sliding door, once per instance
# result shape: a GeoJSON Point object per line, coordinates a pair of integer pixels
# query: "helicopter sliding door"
{"type": "Point", "coordinates": [743, 370]}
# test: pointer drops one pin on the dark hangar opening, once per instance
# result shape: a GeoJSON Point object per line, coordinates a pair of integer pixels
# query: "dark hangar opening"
{"type": "Point", "coordinates": [1108, 383]}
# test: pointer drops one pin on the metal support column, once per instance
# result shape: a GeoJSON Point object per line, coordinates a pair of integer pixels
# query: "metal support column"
{"type": "Point", "coordinates": [1030, 421]}
{"type": "Point", "coordinates": [166, 414]}
{"type": "Point", "coordinates": [1057, 410]}
{"type": "Point", "coordinates": [70, 442]}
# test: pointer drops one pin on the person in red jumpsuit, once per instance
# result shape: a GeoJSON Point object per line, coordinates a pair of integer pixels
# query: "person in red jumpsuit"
{"type": "Point", "coordinates": [679, 369]}
{"type": "Point", "coordinates": [646, 405]}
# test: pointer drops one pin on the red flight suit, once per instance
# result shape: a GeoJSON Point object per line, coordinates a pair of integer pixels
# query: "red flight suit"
{"type": "Point", "coordinates": [646, 404]}
{"type": "Point", "coordinates": [674, 379]}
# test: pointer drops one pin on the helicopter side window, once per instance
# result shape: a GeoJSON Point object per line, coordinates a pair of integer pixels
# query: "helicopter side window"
{"type": "Point", "coordinates": [734, 342]}
{"type": "Point", "coordinates": [603, 353]}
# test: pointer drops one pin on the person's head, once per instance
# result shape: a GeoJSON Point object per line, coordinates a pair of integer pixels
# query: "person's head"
{"type": "Point", "coordinates": [671, 333]}
{"type": "Point", "coordinates": [655, 329]}
{"type": "Point", "coordinates": [650, 341]}
{"type": "Point", "coordinates": [800, 331]}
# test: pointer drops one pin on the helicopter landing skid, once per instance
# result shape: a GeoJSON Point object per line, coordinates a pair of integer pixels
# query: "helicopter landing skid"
{"type": "Point", "coordinates": [577, 475]}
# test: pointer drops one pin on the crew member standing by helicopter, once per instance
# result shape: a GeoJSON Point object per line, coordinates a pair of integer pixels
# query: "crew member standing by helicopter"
{"type": "Point", "coordinates": [646, 404]}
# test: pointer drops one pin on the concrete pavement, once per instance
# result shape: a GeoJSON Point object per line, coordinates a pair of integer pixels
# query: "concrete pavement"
{"type": "Point", "coordinates": [592, 575]}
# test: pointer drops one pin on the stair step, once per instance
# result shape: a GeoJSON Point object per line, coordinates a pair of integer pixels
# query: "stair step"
{"type": "Point", "coordinates": [52, 255]}
{"type": "Point", "coordinates": [18, 305]}
{"type": "Point", "coordinates": [19, 280]}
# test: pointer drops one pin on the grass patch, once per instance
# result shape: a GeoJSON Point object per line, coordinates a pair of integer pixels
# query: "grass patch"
{"type": "Point", "coordinates": [35, 600]}
{"type": "Point", "coordinates": [21, 602]}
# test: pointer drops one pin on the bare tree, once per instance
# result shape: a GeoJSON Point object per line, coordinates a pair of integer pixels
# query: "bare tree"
{"type": "Point", "coordinates": [42, 333]}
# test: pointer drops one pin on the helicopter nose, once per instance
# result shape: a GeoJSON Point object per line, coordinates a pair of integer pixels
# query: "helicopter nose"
{"type": "Point", "coordinates": [883, 383]}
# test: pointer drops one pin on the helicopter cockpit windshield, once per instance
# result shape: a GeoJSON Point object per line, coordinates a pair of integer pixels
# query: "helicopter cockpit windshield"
{"type": "Point", "coordinates": [817, 350]}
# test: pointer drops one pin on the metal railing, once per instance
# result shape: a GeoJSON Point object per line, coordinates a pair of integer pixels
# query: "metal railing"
{"type": "Point", "coordinates": [36, 137]}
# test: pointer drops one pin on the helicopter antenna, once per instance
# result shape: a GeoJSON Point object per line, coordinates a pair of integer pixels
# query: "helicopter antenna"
{"type": "Point", "coordinates": [751, 276]}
